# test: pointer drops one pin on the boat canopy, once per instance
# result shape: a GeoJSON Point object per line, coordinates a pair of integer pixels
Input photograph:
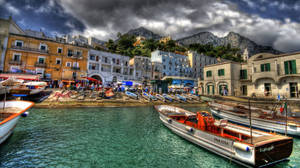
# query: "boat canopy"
{"type": "Point", "coordinates": [20, 76]}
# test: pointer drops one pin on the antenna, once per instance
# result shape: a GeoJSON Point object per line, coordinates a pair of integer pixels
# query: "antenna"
{"type": "Point", "coordinates": [250, 120]}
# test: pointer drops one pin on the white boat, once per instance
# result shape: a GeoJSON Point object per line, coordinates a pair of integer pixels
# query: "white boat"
{"type": "Point", "coordinates": [228, 140]}
{"type": "Point", "coordinates": [131, 95]}
{"type": "Point", "coordinates": [35, 87]}
{"type": "Point", "coordinates": [167, 97]}
{"type": "Point", "coordinates": [10, 116]}
{"type": "Point", "coordinates": [260, 118]}
{"type": "Point", "coordinates": [160, 97]}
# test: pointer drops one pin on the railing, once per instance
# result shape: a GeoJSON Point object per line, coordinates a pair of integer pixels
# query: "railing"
{"type": "Point", "coordinates": [43, 65]}
{"type": "Point", "coordinates": [29, 49]}
{"type": "Point", "coordinates": [14, 62]}
{"type": "Point", "coordinates": [75, 68]}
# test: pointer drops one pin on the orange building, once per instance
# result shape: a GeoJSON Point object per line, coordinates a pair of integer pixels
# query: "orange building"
{"type": "Point", "coordinates": [45, 56]}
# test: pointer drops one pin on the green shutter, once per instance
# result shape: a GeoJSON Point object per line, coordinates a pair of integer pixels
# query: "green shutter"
{"type": "Point", "coordinates": [241, 74]}
{"type": "Point", "coordinates": [223, 72]}
{"type": "Point", "coordinates": [245, 74]}
{"type": "Point", "coordinates": [213, 89]}
{"type": "Point", "coordinates": [208, 90]}
{"type": "Point", "coordinates": [286, 67]}
{"type": "Point", "coordinates": [261, 67]}
{"type": "Point", "coordinates": [206, 73]}
{"type": "Point", "coordinates": [294, 67]}
{"type": "Point", "coordinates": [220, 89]}
{"type": "Point", "coordinates": [268, 67]}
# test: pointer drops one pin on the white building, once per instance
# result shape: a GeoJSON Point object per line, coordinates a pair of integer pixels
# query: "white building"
{"type": "Point", "coordinates": [199, 61]}
{"type": "Point", "coordinates": [142, 68]}
{"type": "Point", "coordinates": [172, 64]}
{"type": "Point", "coordinates": [109, 67]}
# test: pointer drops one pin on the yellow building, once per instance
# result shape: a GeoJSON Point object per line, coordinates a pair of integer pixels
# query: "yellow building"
{"type": "Point", "coordinates": [45, 56]}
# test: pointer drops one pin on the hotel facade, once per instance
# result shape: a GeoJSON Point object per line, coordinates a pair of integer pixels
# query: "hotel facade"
{"type": "Point", "coordinates": [109, 67]}
{"type": "Point", "coordinates": [46, 57]}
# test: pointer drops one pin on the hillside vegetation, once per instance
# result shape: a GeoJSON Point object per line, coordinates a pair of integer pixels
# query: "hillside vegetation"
{"type": "Point", "coordinates": [125, 46]}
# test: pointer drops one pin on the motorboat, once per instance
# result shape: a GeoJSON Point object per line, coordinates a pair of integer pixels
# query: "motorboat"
{"type": "Point", "coordinates": [267, 120]}
{"type": "Point", "coordinates": [243, 145]}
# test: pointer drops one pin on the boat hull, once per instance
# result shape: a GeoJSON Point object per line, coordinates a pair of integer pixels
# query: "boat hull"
{"type": "Point", "coordinates": [7, 128]}
{"type": "Point", "coordinates": [207, 141]}
{"type": "Point", "coordinates": [257, 123]}
{"type": "Point", "coordinates": [9, 119]}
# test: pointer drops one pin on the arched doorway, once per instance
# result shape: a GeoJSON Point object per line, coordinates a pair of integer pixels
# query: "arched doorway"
{"type": "Point", "coordinates": [97, 77]}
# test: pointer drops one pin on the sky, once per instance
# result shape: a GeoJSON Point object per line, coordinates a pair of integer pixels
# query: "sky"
{"type": "Point", "coordinates": [274, 23]}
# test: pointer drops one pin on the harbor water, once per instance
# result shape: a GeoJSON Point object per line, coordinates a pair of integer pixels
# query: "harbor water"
{"type": "Point", "coordinates": [106, 137]}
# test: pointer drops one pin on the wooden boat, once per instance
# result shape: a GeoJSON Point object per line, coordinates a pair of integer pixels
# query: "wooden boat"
{"type": "Point", "coordinates": [131, 95]}
{"type": "Point", "coordinates": [168, 98]}
{"type": "Point", "coordinates": [226, 139]}
{"type": "Point", "coordinates": [10, 115]}
{"type": "Point", "coordinates": [261, 119]}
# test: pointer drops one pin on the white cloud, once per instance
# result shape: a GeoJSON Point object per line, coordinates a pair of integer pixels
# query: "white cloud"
{"type": "Point", "coordinates": [13, 10]}
{"type": "Point", "coordinates": [46, 8]}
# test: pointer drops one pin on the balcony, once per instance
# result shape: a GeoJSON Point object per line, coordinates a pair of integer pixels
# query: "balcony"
{"type": "Point", "coordinates": [29, 49]}
{"type": "Point", "coordinates": [42, 65]}
{"type": "Point", "coordinates": [14, 62]}
{"type": "Point", "coordinates": [264, 75]}
{"type": "Point", "coordinates": [75, 68]}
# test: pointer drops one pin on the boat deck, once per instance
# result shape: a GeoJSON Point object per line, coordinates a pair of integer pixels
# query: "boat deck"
{"type": "Point", "coordinates": [243, 130]}
{"type": "Point", "coordinates": [8, 111]}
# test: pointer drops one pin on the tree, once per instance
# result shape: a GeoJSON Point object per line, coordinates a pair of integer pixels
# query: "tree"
{"type": "Point", "coordinates": [111, 45]}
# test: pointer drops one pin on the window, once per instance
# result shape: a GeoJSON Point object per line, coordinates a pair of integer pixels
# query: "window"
{"type": "Point", "coordinates": [93, 66]}
{"type": "Point", "coordinates": [58, 61]}
{"type": "Point", "coordinates": [113, 60]}
{"type": "Point", "coordinates": [265, 67]}
{"type": "Point", "coordinates": [41, 60]}
{"type": "Point", "coordinates": [208, 74]}
{"type": "Point", "coordinates": [70, 53]}
{"type": "Point", "coordinates": [92, 57]}
{"type": "Point", "coordinates": [118, 61]}
{"type": "Point", "coordinates": [126, 63]}
{"type": "Point", "coordinates": [105, 59]}
{"type": "Point", "coordinates": [290, 67]}
{"type": "Point", "coordinates": [75, 64]}
{"type": "Point", "coordinates": [59, 50]}
{"type": "Point", "coordinates": [221, 72]}
{"type": "Point", "coordinates": [17, 57]}
{"type": "Point", "coordinates": [68, 64]}
{"type": "Point", "coordinates": [243, 74]}
{"type": "Point", "coordinates": [43, 47]}
{"type": "Point", "coordinates": [97, 58]}
{"type": "Point", "coordinates": [19, 43]}
{"type": "Point", "coordinates": [78, 53]}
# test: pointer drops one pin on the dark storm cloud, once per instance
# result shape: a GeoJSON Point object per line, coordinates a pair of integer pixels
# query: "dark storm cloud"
{"type": "Point", "coordinates": [267, 22]}
{"type": "Point", "coordinates": [124, 15]}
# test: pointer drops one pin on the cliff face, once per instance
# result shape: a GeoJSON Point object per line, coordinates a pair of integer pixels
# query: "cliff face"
{"type": "Point", "coordinates": [234, 39]}
{"type": "Point", "coordinates": [141, 31]}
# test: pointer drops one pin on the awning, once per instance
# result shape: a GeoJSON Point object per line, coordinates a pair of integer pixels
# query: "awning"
{"type": "Point", "coordinates": [20, 76]}
{"type": "Point", "coordinates": [93, 79]}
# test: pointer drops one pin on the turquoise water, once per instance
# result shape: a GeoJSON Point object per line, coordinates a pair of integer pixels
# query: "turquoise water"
{"type": "Point", "coordinates": [106, 137]}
